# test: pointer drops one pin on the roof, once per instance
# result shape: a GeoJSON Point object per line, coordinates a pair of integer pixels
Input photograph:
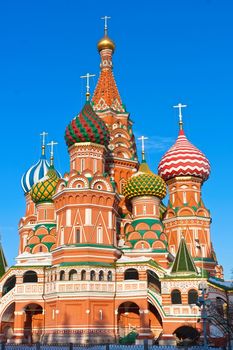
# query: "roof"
{"type": "Point", "coordinates": [106, 95]}
{"type": "Point", "coordinates": [3, 262]}
{"type": "Point", "coordinates": [183, 263]}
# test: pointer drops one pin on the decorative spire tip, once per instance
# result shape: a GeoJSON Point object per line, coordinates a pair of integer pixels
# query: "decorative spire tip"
{"type": "Point", "coordinates": [43, 143]}
{"type": "Point", "coordinates": [52, 144]}
{"type": "Point", "coordinates": [180, 106]}
{"type": "Point", "coordinates": [143, 138]}
{"type": "Point", "coordinates": [106, 18]}
{"type": "Point", "coordinates": [87, 77]}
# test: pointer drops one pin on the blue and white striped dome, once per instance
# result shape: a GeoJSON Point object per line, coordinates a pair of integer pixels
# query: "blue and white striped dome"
{"type": "Point", "coordinates": [34, 174]}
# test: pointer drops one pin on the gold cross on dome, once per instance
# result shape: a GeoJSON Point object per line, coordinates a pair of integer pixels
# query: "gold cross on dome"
{"type": "Point", "coordinates": [43, 134]}
{"type": "Point", "coordinates": [87, 77]}
{"type": "Point", "coordinates": [106, 18]}
{"type": "Point", "coordinates": [143, 138]}
{"type": "Point", "coordinates": [180, 106]}
{"type": "Point", "coordinates": [52, 144]}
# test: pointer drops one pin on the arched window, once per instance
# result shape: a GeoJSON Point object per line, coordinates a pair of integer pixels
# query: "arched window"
{"type": "Point", "coordinates": [109, 276]}
{"type": "Point", "coordinates": [101, 275]}
{"type": "Point", "coordinates": [153, 281]}
{"type": "Point", "coordinates": [192, 296]}
{"type": "Point", "coordinates": [92, 275]}
{"type": "Point", "coordinates": [30, 277]}
{"type": "Point", "coordinates": [83, 275]}
{"type": "Point", "coordinates": [176, 297]}
{"type": "Point", "coordinates": [131, 274]}
{"type": "Point", "coordinates": [9, 284]}
{"type": "Point", "coordinates": [62, 275]}
{"type": "Point", "coordinates": [72, 275]}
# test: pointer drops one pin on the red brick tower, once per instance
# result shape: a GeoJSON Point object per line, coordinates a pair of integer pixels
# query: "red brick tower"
{"type": "Point", "coordinates": [185, 168]}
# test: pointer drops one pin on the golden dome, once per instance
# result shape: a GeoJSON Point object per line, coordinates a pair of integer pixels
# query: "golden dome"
{"type": "Point", "coordinates": [106, 43]}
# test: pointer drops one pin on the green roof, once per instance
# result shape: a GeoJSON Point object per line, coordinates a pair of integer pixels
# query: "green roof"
{"type": "Point", "coordinates": [183, 263]}
{"type": "Point", "coordinates": [3, 263]}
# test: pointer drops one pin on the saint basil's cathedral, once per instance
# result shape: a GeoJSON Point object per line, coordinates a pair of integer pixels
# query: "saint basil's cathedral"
{"type": "Point", "coordinates": [100, 254]}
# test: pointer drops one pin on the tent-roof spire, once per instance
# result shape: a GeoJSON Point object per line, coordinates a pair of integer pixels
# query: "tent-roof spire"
{"type": "Point", "coordinates": [183, 263]}
{"type": "Point", "coordinates": [3, 262]}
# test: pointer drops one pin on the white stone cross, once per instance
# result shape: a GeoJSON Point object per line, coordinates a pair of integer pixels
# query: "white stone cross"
{"type": "Point", "coordinates": [52, 144]}
{"type": "Point", "coordinates": [143, 138]}
{"type": "Point", "coordinates": [180, 106]}
{"type": "Point", "coordinates": [43, 134]}
{"type": "Point", "coordinates": [87, 76]}
{"type": "Point", "coordinates": [105, 18]}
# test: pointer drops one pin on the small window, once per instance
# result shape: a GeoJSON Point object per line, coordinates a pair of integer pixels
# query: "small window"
{"type": "Point", "coordinates": [101, 275]}
{"type": "Point", "coordinates": [72, 275]}
{"type": "Point", "coordinates": [176, 297]}
{"type": "Point", "coordinates": [92, 275]}
{"type": "Point", "coordinates": [83, 275]}
{"type": "Point", "coordinates": [78, 235]}
{"type": "Point", "coordinates": [30, 277]}
{"type": "Point", "coordinates": [109, 276]}
{"type": "Point", "coordinates": [192, 296]}
{"type": "Point", "coordinates": [131, 274]}
{"type": "Point", "coordinates": [62, 275]}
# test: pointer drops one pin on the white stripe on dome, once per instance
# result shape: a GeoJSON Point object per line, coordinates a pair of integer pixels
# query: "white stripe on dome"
{"type": "Point", "coordinates": [32, 176]}
{"type": "Point", "coordinates": [183, 161]}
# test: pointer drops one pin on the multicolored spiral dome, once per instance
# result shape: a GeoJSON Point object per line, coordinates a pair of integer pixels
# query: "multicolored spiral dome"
{"type": "Point", "coordinates": [44, 190]}
{"type": "Point", "coordinates": [87, 127]}
{"type": "Point", "coordinates": [34, 174]}
{"type": "Point", "coordinates": [184, 159]}
{"type": "Point", "coordinates": [145, 183]}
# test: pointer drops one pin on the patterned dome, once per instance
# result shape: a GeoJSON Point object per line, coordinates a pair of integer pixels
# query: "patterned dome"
{"type": "Point", "coordinates": [87, 127]}
{"type": "Point", "coordinates": [145, 183]}
{"type": "Point", "coordinates": [34, 174]}
{"type": "Point", "coordinates": [184, 159]}
{"type": "Point", "coordinates": [43, 190]}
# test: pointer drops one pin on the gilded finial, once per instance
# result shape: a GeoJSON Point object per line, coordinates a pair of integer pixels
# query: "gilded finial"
{"type": "Point", "coordinates": [87, 76]}
{"type": "Point", "coordinates": [180, 106]}
{"type": "Point", "coordinates": [43, 143]}
{"type": "Point", "coordinates": [143, 138]}
{"type": "Point", "coordinates": [106, 42]}
{"type": "Point", "coordinates": [52, 144]}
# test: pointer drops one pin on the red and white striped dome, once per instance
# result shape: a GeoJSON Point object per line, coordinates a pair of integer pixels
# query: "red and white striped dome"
{"type": "Point", "coordinates": [184, 159]}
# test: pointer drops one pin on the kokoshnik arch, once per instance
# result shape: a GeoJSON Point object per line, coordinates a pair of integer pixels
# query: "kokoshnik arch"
{"type": "Point", "coordinates": [100, 254]}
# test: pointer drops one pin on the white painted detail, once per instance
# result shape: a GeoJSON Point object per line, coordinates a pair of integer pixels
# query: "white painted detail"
{"type": "Point", "coordinates": [110, 219]}
{"type": "Point", "coordinates": [68, 217]}
{"type": "Point", "coordinates": [99, 234]}
{"type": "Point", "coordinates": [88, 216]}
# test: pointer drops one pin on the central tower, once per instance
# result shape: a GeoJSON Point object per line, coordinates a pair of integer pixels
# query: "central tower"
{"type": "Point", "coordinates": [121, 160]}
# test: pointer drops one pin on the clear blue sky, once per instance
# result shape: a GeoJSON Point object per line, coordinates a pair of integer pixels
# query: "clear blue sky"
{"type": "Point", "coordinates": [168, 51]}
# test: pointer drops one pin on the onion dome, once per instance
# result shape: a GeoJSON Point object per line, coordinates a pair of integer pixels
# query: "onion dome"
{"type": "Point", "coordinates": [145, 183]}
{"type": "Point", "coordinates": [105, 43]}
{"type": "Point", "coordinates": [87, 127]}
{"type": "Point", "coordinates": [43, 190]}
{"type": "Point", "coordinates": [34, 174]}
{"type": "Point", "coordinates": [184, 159]}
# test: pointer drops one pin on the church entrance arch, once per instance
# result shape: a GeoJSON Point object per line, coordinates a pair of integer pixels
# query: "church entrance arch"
{"type": "Point", "coordinates": [155, 321]}
{"type": "Point", "coordinates": [7, 323]}
{"type": "Point", "coordinates": [187, 335]}
{"type": "Point", "coordinates": [33, 323]}
{"type": "Point", "coordinates": [128, 318]}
